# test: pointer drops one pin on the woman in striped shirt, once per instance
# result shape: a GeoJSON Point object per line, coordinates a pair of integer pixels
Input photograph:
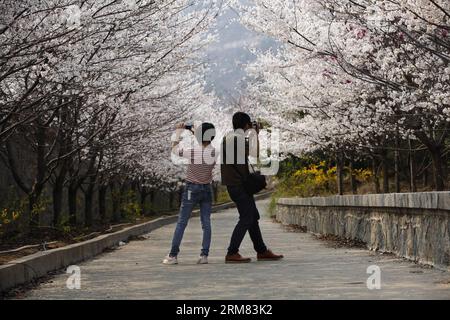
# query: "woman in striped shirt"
{"type": "Point", "coordinates": [198, 189]}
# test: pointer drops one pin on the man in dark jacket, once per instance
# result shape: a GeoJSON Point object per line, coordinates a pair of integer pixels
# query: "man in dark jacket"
{"type": "Point", "coordinates": [236, 148]}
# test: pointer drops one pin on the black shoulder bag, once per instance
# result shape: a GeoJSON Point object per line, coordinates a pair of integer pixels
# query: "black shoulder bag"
{"type": "Point", "coordinates": [254, 183]}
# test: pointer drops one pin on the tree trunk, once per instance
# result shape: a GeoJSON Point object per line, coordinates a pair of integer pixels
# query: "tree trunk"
{"type": "Point", "coordinates": [152, 201]}
{"type": "Point", "coordinates": [144, 195]}
{"type": "Point", "coordinates": [57, 200]}
{"type": "Point", "coordinates": [152, 196]}
{"type": "Point", "coordinates": [353, 183]}
{"type": "Point", "coordinates": [32, 212]}
{"type": "Point", "coordinates": [340, 172]}
{"type": "Point", "coordinates": [171, 198]}
{"type": "Point", "coordinates": [376, 179]}
{"type": "Point", "coordinates": [439, 174]}
{"type": "Point", "coordinates": [425, 177]}
{"type": "Point", "coordinates": [123, 196]}
{"type": "Point", "coordinates": [397, 164]}
{"type": "Point", "coordinates": [412, 169]}
{"type": "Point", "coordinates": [115, 202]}
{"type": "Point", "coordinates": [33, 202]}
{"type": "Point", "coordinates": [34, 190]}
{"type": "Point", "coordinates": [102, 202]}
{"type": "Point", "coordinates": [385, 168]}
{"type": "Point", "coordinates": [88, 205]}
{"type": "Point", "coordinates": [436, 151]}
{"type": "Point", "coordinates": [38, 185]}
{"type": "Point", "coordinates": [72, 193]}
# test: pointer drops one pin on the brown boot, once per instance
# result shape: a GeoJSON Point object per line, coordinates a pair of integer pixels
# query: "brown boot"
{"type": "Point", "coordinates": [236, 258]}
{"type": "Point", "coordinates": [269, 256]}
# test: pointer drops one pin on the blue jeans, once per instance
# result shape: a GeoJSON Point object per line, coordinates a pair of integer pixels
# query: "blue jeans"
{"type": "Point", "coordinates": [194, 194]}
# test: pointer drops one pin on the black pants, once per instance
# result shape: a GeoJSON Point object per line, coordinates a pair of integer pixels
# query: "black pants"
{"type": "Point", "coordinates": [248, 221]}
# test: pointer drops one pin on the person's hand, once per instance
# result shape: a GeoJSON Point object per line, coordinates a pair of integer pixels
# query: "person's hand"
{"type": "Point", "coordinates": [179, 130]}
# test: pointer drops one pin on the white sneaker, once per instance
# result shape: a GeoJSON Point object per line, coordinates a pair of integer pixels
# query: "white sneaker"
{"type": "Point", "coordinates": [202, 260]}
{"type": "Point", "coordinates": [170, 260]}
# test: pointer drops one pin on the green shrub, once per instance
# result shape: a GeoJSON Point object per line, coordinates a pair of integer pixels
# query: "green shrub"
{"type": "Point", "coordinates": [131, 208]}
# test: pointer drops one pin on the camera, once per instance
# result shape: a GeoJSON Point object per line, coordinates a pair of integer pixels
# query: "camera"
{"type": "Point", "coordinates": [189, 126]}
{"type": "Point", "coordinates": [256, 125]}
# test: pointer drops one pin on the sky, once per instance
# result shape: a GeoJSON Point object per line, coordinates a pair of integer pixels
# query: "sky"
{"type": "Point", "coordinates": [230, 54]}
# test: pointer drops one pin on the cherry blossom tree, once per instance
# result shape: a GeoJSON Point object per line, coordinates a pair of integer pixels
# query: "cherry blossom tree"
{"type": "Point", "coordinates": [354, 76]}
{"type": "Point", "coordinates": [93, 87]}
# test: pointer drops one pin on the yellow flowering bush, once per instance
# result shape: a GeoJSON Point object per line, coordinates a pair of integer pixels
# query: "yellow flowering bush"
{"type": "Point", "coordinates": [7, 216]}
{"type": "Point", "coordinates": [363, 175]}
{"type": "Point", "coordinates": [41, 206]}
{"type": "Point", "coordinates": [8, 219]}
{"type": "Point", "coordinates": [316, 179]}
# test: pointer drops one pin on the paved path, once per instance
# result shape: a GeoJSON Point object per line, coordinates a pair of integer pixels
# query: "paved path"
{"type": "Point", "coordinates": [311, 270]}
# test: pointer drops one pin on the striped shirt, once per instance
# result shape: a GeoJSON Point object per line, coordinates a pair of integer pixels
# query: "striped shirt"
{"type": "Point", "coordinates": [201, 163]}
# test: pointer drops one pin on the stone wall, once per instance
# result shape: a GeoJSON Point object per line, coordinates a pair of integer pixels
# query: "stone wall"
{"type": "Point", "coordinates": [415, 226]}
